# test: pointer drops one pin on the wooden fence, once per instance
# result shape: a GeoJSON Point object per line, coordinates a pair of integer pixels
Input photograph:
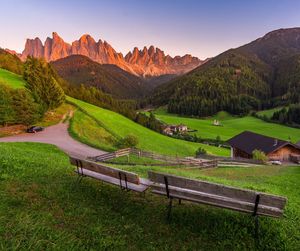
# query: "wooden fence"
{"type": "Point", "coordinates": [188, 161]}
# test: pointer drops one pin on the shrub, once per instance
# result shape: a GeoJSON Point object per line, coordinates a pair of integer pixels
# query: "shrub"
{"type": "Point", "coordinates": [129, 141]}
{"type": "Point", "coordinates": [7, 113]}
{"type": "Point", "coordinates": [26, 110]}
{"type": "Point", "coordinates": [200, 151]}
{"type": "Point", "coordinates": [259, 155]}
{"type": "Point", "coordinates": [17, 107]}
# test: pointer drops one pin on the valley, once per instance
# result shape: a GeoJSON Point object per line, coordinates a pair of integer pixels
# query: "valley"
{"type": "Point", "coordinates": [120, 126]}
{"type": "Point", "coordinates": [229, 126]}
{"type": "Point", "coordinates": [222, 135]}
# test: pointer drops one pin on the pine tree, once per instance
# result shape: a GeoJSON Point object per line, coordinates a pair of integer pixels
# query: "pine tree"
{"type": "Point", "coordinates": [42, 82]}
{"type": "Point", "coordinates": [7, 114]}
{"type": "Point", "coordinates": [26, 110]}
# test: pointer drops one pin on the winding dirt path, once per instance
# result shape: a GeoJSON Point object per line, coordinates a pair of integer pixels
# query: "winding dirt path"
{"type": "Point", "coordinates": [57, 135]}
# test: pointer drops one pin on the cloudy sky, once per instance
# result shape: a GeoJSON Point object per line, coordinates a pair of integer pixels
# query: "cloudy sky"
{"type": "Point", "coordinates": [201, 28]}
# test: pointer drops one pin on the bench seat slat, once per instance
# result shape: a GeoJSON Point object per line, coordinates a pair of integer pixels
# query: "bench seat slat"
{"type": "Point", "coordinates": [218, 189]}
{"type": "Point", "coordinates": [138, 188]}
{"type": "Point", "coordinates": [106, 170]}
{"type": "Point", "coordinates": [215, 200]}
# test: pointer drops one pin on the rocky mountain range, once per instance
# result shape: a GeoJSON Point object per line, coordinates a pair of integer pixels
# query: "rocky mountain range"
{"type": "Point", "coordinates": [147, 62]}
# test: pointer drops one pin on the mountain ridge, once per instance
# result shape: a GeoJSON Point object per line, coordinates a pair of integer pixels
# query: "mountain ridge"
{"type": "Point", "coordinates": [256, 75]}
{"type": "Point", "coordinates": [147, 62]}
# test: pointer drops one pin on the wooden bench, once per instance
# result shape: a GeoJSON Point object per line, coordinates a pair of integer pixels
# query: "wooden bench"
{"type": "Point", "coordinates": [126, 180]}
{"type": "Point", "coordinates": [242, 200]}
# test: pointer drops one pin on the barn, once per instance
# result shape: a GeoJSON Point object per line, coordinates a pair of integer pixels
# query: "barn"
{"type": "Point", "coordinates": [243, 145]}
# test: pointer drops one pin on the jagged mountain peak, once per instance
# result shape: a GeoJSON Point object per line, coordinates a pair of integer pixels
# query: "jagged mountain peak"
{"type": "Point", "coordinates": [149, 61]}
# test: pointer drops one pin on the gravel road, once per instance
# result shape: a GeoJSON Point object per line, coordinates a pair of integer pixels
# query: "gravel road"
{"type": "Point", "coordinates": [57, 135]}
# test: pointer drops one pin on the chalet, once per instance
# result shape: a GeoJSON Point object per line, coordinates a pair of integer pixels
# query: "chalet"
{"type": "Point", "coordinates": [171, 129]}
{"type": "Point", "coordinates": [243, 145]}
{"type": "Point", "coordinates": [216, 123]}
{"type": "Point", "coordinates": [182, 128]}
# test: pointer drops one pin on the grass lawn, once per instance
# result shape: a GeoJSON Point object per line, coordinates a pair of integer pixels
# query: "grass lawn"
{"type": "Point", "coordinates": [11, 79]}
{"type": "Point", "coordinates": [231, 126]}
{"type": "Point", "coordinates": [120, 126]}
{"type": "Point", "coordinates": [88, 131]}
{"type": "Point", "coordinates": [41, 209]}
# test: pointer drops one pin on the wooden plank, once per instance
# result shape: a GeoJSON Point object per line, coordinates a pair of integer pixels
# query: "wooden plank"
{"type": "Point", "coordinates": [137, 188]}
{"type": "Point", "coordinates": [218, 189]}
{"type": "Point", "coordinates": [214, 200]}
{"type": "Point", "coordinates": [106, 170]}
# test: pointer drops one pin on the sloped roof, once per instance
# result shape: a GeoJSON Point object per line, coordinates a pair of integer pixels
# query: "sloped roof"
{"type": "Point", "coordinates": [249, 141]}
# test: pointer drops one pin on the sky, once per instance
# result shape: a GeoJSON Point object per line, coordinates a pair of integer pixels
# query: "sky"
{"type": "Point", "coordinates": [201, 28]}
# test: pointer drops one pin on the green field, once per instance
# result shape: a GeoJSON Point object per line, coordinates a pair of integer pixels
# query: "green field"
{"type": "Point", "coordinates": [231, 126]}
{"type": "Point", "coordinates": [88, 131]}
{"type": "Point", "coordinates": [120, 126]}
{"type": "Point", "coordinates": [269, 113]}
{"type": "Point", "coordinates": [42, 209]}
{"type": "Point", "coordinates": [11, 79]}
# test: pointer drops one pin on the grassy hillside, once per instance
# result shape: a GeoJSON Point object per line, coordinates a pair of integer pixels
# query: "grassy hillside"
{"type": "Point", "coordinates": [86, 129]}
{"type": "Point", "coordinates": [10, 62]}
{"type": "Point", "coordinates": [11, 79]}
{"type": "Point", "coordinates": [120, 126]}
{"type": "Point", "coordinates": [42, 209]}
{"type": "Point", "coordinates": [231, 126]}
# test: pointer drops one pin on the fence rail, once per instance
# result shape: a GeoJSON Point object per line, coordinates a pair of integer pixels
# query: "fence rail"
{"type": "Point", "coordinates": [188, 161]}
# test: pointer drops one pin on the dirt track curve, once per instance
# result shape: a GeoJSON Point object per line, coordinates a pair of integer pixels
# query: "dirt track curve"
{"type": "Point", "coordinates": [57, 135]}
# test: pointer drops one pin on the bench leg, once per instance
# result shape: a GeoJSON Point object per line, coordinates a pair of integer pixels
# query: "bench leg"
{"type": "Point", "coordinates": [256, 228]}
{"type": "Point", "coordinates": [169, 208]}
{"type": "Point", "coordinates": [179, 202]}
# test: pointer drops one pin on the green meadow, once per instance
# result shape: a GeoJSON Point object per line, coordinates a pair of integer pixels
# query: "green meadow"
{"type": "Point", "coordinates": [119, 126]}
{"type": "Point", "coordinates": [11, 79]}
{"type": "Point", "coordinates": [42, 208]}
{"type": "Point", "coordinates": [230, 126]}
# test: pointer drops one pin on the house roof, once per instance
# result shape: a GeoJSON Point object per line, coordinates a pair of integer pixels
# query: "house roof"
{"type": "Point", "coordinates": [249, 141]}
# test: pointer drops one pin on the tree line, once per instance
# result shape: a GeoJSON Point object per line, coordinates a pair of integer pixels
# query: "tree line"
{"type": "Point", "coordinates": [42, 93]}
{"type": "Point", "coordinates": [289, 116]}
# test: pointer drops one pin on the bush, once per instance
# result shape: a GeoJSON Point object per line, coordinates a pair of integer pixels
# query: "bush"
{"type": "Point", "coordinates": [259, 155]}
{"type": "Point", "coordinates": [17, 107]}
{"type": "Point", "coordinates": [129, 141]}
{"type": "Point", "coordinates": [200, 151]}
{"type": "Point", "coordinates": [7, 113]}
{"type": "Point", "coordinates": [26, 110]}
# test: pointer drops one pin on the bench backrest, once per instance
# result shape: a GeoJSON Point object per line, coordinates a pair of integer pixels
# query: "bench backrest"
{"type": "Point", "coordinates": [105, 170]}
{"type": "Point", "coordinates": [218, 195]}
